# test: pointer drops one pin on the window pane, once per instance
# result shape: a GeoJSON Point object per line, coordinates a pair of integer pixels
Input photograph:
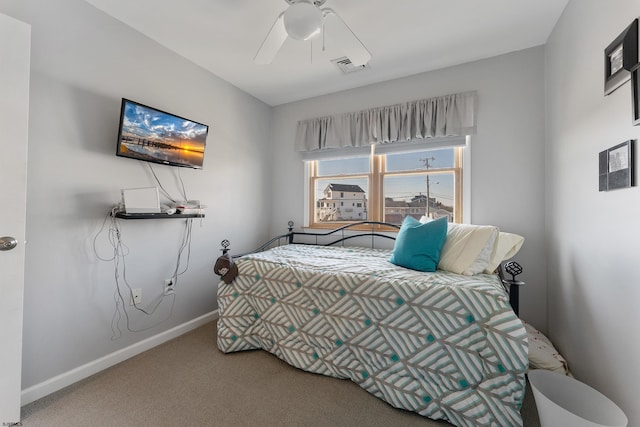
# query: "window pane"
{"type": "Point", "coordinates": [355, 165]}
{"type": "Point", "coordinates": [406, 195]}
{"type": "Point", "coordinates": [434, 159]}
{"type": "Point", "coordinates": [341, 199]}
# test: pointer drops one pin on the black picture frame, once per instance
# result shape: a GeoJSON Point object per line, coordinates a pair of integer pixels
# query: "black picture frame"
{"type": "Point", "coordinates": [616, 167]}
{"type": "Point", "coordinates": [620, 57]}
{"type": "Point", "coordinates": [635, 94]}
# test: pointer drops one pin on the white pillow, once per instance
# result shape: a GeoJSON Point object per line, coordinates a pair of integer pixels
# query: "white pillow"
{"type": "Point", "coordinates": [507, 246]}
{"type": "Point", "coordinates": [542, 353]}
{"type": "Point", "coordinates": [468, 248]}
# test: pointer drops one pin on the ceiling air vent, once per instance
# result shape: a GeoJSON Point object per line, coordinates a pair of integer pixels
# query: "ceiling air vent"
{"type": "Point", "coordinates": [347, 67]}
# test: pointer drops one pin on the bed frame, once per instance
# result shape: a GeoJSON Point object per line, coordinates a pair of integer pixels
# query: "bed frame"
{"type": "Point", "coordinates": [413, 356]}
{"type": "Point", "coordinates": [358, 230]}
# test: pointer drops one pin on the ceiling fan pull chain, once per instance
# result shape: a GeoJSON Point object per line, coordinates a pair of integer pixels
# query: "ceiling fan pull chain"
{"type": "Point", "coordinates": [323, 46]}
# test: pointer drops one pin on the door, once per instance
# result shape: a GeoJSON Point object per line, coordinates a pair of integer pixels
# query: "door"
{"type": "Point", "coordinates": [15, 42]}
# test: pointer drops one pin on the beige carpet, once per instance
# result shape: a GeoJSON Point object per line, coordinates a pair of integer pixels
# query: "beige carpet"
{"type": "Point", "coordinates": [188, 382]}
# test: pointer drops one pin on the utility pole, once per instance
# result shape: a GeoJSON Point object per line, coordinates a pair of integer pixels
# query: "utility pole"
{"type": "Point", "coordinates": [426, 161]}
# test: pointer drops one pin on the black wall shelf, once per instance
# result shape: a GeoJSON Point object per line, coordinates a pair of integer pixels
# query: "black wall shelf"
{"type": "Point", "coordinates": [161, 215]}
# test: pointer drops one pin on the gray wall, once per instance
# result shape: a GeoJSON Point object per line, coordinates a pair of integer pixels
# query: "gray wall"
{"type": "Point", "coordinates": [507, 154]}
{"type": "Point", "coordinates": [83, 62]}
{"type": "Point", "coordinates": [593, 238]}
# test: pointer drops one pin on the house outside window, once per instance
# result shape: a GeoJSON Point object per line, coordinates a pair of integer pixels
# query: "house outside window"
{"type": "Point", "coordinates": [387, 187]}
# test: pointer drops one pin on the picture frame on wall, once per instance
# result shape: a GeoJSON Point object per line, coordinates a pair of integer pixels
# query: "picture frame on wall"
{"type": "Point", "coordinates": [635, 94]}
{"type": "Point", "coordinates": [620, 57]}
{"type": "Point", "coordinates": [616, 167]}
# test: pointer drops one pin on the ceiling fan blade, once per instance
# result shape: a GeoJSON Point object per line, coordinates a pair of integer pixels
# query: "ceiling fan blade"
{"type": "Point", "coordinates": [353, 48]}
{"type": "Point", "coordinates": [272, 43]}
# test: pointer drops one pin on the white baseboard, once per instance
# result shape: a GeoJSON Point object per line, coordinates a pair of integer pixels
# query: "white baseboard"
{"type": "Point", "coordinates": [61, 381]}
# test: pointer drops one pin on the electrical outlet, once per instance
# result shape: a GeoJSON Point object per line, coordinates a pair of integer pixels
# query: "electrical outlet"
{"type": "Point", "coordinates": [136, 296]}
{"type": "Point", "coordinates": [168, 286]}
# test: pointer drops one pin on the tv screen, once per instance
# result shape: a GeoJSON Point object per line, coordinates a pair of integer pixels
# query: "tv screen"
{"type": "Point", "coordinates": [157, 136]}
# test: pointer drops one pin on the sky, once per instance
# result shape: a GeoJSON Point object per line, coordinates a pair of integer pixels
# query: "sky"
{"type": "Point", "coordinates": [153, 124]}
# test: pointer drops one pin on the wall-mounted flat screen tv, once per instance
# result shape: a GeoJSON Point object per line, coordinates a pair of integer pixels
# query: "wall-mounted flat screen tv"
{"type": "Point", "coordinates": [156, 136]}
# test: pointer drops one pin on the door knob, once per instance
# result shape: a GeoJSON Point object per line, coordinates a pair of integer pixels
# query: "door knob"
{"type": "Point", "coordinates": [7, 243]}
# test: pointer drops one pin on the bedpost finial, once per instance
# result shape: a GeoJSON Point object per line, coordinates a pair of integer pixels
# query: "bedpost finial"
{"type": "Point", "coordinates": [513, 268]}
{"type": "Point", "coordinates": [225, 246]}
{"type": "Point", "coordinates": [290, 224]}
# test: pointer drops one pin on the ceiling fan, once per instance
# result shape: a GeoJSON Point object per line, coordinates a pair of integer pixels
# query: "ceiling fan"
{"type": "Point", "coordinates": [304, 20]}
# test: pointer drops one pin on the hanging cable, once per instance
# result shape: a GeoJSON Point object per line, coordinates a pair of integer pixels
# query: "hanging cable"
{"type": "Point", "coordinates": [165, 192]}
{"type": "Point", "coordinates": [186, 243]}
{"type": "Point", "coordinates": [184, 192]}
{"type": "Point", "coordinates": [120, 251]}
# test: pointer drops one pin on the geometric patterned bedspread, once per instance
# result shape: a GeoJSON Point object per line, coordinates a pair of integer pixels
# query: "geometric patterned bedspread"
{"type": "Point", "coordinates": [440, 344]}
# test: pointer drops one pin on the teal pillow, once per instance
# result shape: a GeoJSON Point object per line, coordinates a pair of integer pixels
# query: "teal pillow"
{"type": "Point", "coordinates": [418, 245]}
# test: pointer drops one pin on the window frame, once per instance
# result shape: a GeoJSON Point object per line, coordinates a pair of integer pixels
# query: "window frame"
{"type": "Point", "coordinates": [375, 195]}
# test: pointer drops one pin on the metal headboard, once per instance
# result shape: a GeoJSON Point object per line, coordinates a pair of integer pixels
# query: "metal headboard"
{"type": "Point", "coordinates": [332, 237]}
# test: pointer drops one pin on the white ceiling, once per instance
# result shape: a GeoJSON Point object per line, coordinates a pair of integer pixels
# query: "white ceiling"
{"type": "Point", "coordinates": [405, 37]}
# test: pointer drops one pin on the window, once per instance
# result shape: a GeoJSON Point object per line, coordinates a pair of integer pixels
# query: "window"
{"type": "Point", "coordinates": [386, 187]}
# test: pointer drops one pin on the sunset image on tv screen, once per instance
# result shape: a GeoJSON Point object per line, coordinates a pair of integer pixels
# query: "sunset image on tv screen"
{"type": "Point", "coordinates": [156, 136]}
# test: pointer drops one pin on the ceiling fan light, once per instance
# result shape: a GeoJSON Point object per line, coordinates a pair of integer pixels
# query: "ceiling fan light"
{"type": "Point", "coordinates": [302, 20]}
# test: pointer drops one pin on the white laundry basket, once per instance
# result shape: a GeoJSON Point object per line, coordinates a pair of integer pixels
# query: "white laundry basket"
{"type": "Point", "coordinates": [565, 402]}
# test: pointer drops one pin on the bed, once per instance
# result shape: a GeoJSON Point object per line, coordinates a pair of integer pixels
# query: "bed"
{"type": "Point", "coordinates": [442, 344]}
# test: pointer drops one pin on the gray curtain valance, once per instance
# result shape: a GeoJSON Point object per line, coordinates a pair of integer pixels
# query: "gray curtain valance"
{"type": "Point", "coordinates": [443, 116]}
